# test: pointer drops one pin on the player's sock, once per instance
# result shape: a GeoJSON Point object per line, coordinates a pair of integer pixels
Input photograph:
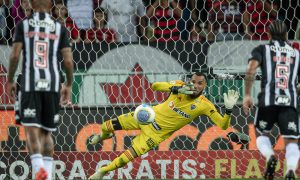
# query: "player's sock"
{"type": "Point", "coordinates": [37, 163]}
{"type": "Point", "coordinates": [48, 162]}
{"type": "Point", "coordinates": [264, 146]}
{"type": "Point", "coordinates": [292, 155]}
{"type": "Point", "coordinates": [120, 161]}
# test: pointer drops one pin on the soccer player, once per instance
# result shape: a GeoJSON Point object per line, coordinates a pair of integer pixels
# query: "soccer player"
{"type": "Point", "coordinates": [41, 38]}
{"type": "Point", "coordinates": [184, 104]}
{"type": "Point", "coordinates": [277, 101]}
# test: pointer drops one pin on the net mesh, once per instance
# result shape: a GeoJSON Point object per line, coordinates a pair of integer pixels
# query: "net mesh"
{"type": "Point", "coordinates": [120, 48]}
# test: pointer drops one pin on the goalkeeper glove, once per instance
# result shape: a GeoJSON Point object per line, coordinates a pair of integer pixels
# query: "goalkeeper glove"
{"type": "Point", "coordinates": [185, 89]}
{"type": "Point", "coordinates": [230, 100]}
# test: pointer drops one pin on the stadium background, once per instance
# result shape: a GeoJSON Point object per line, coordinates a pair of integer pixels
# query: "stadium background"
{"type": "Point", "coordinates": [114, 77]}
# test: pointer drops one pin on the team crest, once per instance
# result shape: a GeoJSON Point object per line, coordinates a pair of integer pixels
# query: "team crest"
{"type": "Point", "coordinates": [292, 126]}
{"type": "Point", "coordinates": [193, 106]}
{"type": "Point", "coordinates": [171, 104]}
{"type": "Point", "coordinates": [262, 124]}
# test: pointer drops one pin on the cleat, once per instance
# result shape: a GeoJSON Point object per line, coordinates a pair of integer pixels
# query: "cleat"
{"type": "Point", "coordinates": [290, 175]}
{"type": "Point", "coordinates": [270, 171]}
{"type": "Point", "coordinates": [97, 175]}
{"type": "Point", "coordinates": [98, 138]}
{"type": "Point", "coordinates": [41, 174]}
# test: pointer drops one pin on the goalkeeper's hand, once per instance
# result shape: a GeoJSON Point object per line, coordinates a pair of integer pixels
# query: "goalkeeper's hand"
{"type": "Point", "coordinates": [230, 99]}
{"type": "Point", "coordinates": [185, 89]}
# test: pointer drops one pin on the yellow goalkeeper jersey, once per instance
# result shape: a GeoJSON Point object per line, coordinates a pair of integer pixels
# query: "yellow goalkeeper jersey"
{"type": "Point", "coordinates": [180, 109]}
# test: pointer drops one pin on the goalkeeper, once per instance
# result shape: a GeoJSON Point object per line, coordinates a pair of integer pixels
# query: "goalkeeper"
{"type": "Point", "coordinates": [184, 104]}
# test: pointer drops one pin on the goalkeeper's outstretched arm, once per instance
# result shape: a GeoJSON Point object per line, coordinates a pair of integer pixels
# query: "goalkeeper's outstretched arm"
{"type": "Point", "coordinates": [230, 100]}
{"type": "Point", "coordinates": [174, 87]}
{"type": "Point", "coordinates": [222, 122]}
{"type": "Point", "coordinates": [165, 86]}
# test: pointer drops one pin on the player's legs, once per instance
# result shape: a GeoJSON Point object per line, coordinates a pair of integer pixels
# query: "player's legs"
{"type": "Point", "coordinates": [49, 119]}
{"type": "Point", "coordinates": [127, 156]}
{"type": "Point", "coordinates": [33, 143]}
{"type": "Point", "coordinates": [30, 119]}
{"type": "Point", "coordinates": [47, 152]}
{"type": "Point", "coordinates": [108, 127]}
{"type": "Point", "coordinates": [289, 128]}
{"type": "Point", "coordinates": [122, 122]}
{"type": "Point", "coordinates": [264, 121]}
{"type": "Point", "coordinates": [140, 145]}
{"type": "Point", "coordinates": [35, 148]}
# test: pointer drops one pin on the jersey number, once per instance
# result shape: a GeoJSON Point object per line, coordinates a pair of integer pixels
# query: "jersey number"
{"type": "Point", "coordinates": [281, 73]}
{"type": "Point", "coordinates": [41, 50]}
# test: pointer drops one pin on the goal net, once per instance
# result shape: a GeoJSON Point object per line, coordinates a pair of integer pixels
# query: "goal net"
{"type": "Point", "coordinates": [138, 43]}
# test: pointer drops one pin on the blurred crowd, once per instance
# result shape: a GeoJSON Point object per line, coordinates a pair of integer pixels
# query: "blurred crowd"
{"type": "Point", "coordinates": [159, 20]}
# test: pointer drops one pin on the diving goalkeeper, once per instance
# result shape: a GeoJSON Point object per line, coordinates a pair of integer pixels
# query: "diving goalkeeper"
{"type": "Point", "coordinates": [184, 104]}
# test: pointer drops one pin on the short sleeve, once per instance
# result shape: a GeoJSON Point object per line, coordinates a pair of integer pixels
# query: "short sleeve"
{"type": "Point", "coordinates": [64, 38]}
{"type": "Point", "coordinates": [19, 33]}
{"type": "Point", "coordinates": [257, 54]}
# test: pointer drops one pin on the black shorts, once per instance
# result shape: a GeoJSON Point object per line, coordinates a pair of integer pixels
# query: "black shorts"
{"type": "Point", "coordinates": [285, 117]}
{"type": "Point", "coordinates": [39, 109]}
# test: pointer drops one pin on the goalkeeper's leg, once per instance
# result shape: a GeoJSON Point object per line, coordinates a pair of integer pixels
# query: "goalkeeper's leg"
{"type": "Point", "coordinates": [108, 127]}
{"type": "Point", "coordinates": [140, 145]}
{"type": "Point", "coordinates": [122, 122]}
{"type": "Point", "coordinates": [118, 162]}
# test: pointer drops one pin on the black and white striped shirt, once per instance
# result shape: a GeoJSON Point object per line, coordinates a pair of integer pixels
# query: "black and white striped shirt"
{"type": "Point", "coordinates": [279, 64]}
{"type": "Point", "coordinates": [42, 38]}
